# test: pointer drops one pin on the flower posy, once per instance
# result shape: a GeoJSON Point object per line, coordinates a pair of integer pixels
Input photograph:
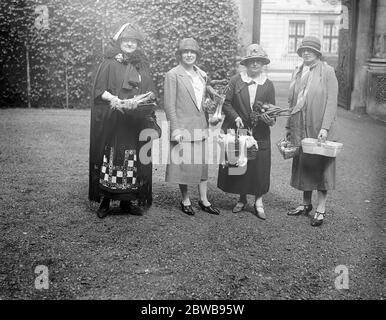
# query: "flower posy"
{"type": "Point", "coordinates": [260, 108]}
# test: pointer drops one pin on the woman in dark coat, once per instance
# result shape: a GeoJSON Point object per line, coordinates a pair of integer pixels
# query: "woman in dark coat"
{"type": "Point", "coordinates": [245, 90]}
{"type": "Point", "coordinates": [116, 172]}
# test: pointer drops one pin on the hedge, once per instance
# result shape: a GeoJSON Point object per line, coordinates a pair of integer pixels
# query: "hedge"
{"type": "Point", "coordinates": [67, 41]}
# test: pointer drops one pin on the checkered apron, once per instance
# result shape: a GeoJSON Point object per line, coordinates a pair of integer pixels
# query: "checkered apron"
{"type": "Point", "coordinates": [119, 176]}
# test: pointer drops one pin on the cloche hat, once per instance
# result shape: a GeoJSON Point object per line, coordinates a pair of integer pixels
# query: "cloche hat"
{"type": "Point", "coordinates": [310, 42]}
{"type": "Point", "coordinates": [255, 51]}
{"type": "Point", "coordinates": [189, 44]}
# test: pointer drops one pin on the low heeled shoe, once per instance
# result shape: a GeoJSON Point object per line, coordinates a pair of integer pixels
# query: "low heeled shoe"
{"type": "Point", "coordinates": [103, 209]}
{"type": "Point", "coordinates": [239, 207]}
{"type": "Point", "coordinates": [317, 222]}
{"type": "Point", "coordinates": [187, 209]}
{"type": "Point", "coordinates": [210, 209]}
{"type": "Point", "coordinates": [259, 212]}
{"type": "Point", "coordinates": [130, 208]}
{"type": "Point", "coordinates": [300, 210]}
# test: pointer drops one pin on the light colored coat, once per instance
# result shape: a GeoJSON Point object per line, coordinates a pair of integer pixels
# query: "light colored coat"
{"type": "Point", "coordinates": [181, 107]}
{"type": "Point", "coordinates": [320, 107]}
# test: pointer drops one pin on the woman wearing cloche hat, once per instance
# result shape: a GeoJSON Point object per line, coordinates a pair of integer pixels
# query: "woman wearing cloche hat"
{"type": "Point", "coordinates": [313, 100]}
{"type": "Point", "coordinates": [185, 89]}
{"type": "Point", "coordinates": [247, 92]}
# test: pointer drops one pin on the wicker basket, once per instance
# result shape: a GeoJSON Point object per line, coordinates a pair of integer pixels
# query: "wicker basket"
{"type": "Point", "coordinates": [286, 149]}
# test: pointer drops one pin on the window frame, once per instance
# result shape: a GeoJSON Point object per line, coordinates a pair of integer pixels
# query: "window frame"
{"type": "Point", "coordinates": [295, 36]}
{"type": "Point", "coordinates": [330, 36]}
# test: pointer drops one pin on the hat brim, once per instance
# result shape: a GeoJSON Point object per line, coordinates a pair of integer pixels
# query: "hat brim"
{"type": "Point", "coordinates": [179, 52]}
{"type": "Point", "coordinates": [299, 51]}
{"type": "Point", "coordinates": [245, 60]}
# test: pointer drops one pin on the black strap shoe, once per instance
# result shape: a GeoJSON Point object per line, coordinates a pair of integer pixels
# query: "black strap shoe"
{"type": "Point", "coordinates": [187, 209]}
{"type": "Point", "coordinates": [210, 209]}
{"type": "Point", "coordinates": [317, 222]}
{"type": "Point", "coordinates": [104, 208]}
{"type": "Point", "coordinates": [130, 208]}
{"type": "Point", "coordinates": [239, 207]}
{"type": "Point", "coordinates": [135, 210]}
{"type": "Point", "coordinates": [302, 209]}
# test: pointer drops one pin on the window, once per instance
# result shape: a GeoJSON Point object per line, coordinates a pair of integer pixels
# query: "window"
{"type": "Point", "coordinates": [330, 38]}
{"type": "Point", "coordinates": [295, 34]}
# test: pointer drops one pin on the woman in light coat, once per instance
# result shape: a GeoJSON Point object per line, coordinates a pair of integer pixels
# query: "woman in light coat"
{"type": "Point", "coordinates": [313, 100]}
{"type": "Point", "coordinates": [184, 92]}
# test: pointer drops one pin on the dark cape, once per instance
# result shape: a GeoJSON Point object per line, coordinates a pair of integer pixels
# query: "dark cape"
{"type": "Point", "coordinates": [256, 179]}
{"type": "Point", "coordinates": [115, 171]}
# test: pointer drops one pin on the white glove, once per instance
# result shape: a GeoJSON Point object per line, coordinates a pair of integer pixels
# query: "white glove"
{"type": "Point", "coordinates": [115, 102]}
{"type": "Point", "coordinates": [130, 104]}
{"type": "Point", "coordinates": [239, 122]}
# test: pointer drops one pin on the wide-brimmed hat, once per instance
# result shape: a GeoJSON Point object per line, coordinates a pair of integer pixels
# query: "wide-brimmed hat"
{"type": "Point", "coordinates": [310, 42]}
{"type": "Point", "coordinates": [255, 51]}
{"type": "Point", "coordinates": [188, 44]}
{"type": "Point", "coordinates": [128, 31]}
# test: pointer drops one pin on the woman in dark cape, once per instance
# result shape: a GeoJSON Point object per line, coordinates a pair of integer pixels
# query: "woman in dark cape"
{"type": "Point", "coordinates": [116, 172]}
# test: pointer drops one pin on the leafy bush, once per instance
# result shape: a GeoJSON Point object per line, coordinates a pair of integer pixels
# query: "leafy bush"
{"type": "Point", "coordinates": [71, 46]}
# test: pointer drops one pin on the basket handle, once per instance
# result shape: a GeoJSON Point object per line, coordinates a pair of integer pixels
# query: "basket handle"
{"type": "Point", "coordinates": [244, 129]}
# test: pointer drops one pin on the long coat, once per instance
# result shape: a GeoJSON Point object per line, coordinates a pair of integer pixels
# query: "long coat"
{"type": "Point", "coordinates": [314, 172]}
{"type": "Point", "coordinates": [188, 119]}
{"type": "Point", "coordinates": [320, 104]}
{"type": "Point", "coordinates": [112, 132]}
{"type": "Point", "coordinates": [256, 179]}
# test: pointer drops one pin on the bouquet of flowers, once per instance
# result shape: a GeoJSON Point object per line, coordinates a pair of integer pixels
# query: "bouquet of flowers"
{"type": "Point", "coordinates": [214, 105]}
{"type": "Point", "coordinates": [216, 118]}
{"type": "Point", "coordinates": [260, 108]}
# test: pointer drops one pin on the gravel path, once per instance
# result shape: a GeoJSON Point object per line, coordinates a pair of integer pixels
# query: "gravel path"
{"type": "Point", "coordinates": [47, 220]}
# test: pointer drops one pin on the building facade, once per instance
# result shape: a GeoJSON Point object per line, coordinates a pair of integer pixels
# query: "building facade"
{"type": "Point", "coordinates": [285, 23]}
{"type": "Point", "coordinates": [353, 35]}
{"type": "Point", "coordinates": [361, 69]}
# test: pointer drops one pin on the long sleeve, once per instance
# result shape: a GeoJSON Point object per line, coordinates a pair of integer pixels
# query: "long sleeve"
{"type": "Point", "coordinates": [291, 95]}
{"type": "Point", "coordinates": [170, 97]}
{"type": "Point", "coordinates": [271, 94]}
{"type": "Point", "coordinates": [227, 107]}
{"type": "Point", "coordinates": [332, 99]}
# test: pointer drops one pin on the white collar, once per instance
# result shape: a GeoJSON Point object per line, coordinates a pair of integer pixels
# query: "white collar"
{"type": "Point", "coordinates": [260, 80]}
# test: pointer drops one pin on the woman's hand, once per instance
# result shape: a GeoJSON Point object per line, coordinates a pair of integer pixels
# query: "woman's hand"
{"type": "Point", "coordinates": [114, 101]}
{"type": "Point", "coordinates": [322, 136]}
{"type": "Point", "coordinates": [239, 123]}
{"type": "Point", "coordinates": [267, 119]}
{"type": "Point", "coordinates": [131, 104]}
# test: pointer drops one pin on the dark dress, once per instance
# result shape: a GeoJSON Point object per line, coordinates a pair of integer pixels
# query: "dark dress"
{"type": "Point", "coordinates": [115, 170]}
{"type": "Point", "coordinates": [256, 179]}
